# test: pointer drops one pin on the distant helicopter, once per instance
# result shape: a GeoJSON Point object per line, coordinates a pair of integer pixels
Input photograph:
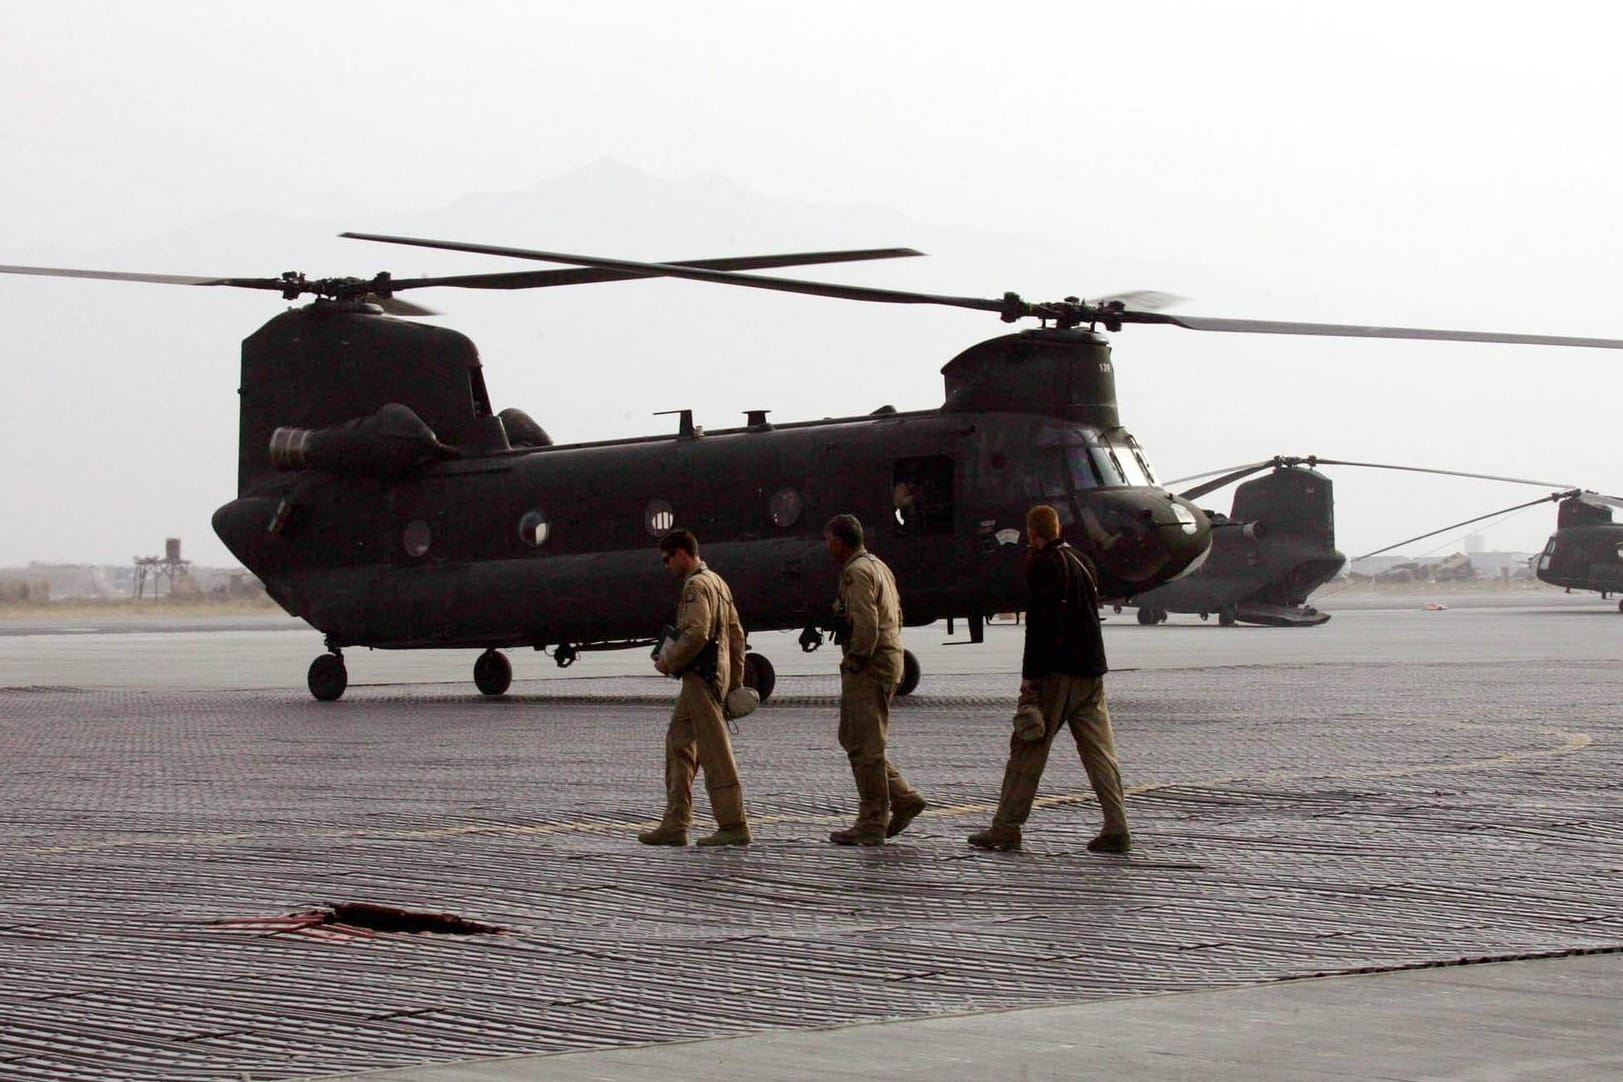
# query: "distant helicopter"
{"type": "Point", "coordinates": [1586, 550]}
{"type": "Point", "coordinates": [383, 500]}
{"type": "Point", "coordinates": [1275, 547]}
{"type": "Point", "coordinates": [1278, 543]}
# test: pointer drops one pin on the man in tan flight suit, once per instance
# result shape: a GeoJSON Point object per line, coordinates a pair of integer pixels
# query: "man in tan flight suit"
{"type": "Point", "coordinates": [708, 653]}
{"type": "Point", "coordinates": [870, 669]}
{"type": "Point", "coordinates": [1062, 673]}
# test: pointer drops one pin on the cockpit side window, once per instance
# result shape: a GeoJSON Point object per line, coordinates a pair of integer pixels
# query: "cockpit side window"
{"type": "Point", "coordinates": [1043, 478]}
{"type": "Point", "coordinates": [922, 494]}
{"type": "Point", "coordinates": [1143, 463]}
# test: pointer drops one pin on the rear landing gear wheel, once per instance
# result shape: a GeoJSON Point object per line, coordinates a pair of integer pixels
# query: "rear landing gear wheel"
{"type": "Point", "coordinates": [910, 673]}
{"type": "Point", "coordinates": [327, 677]}
{"type": "Point", "coordinates": [760, 675]}
{"type": "Point", "coordinates": [1620, 606]}
{"type": "Point", "coordinates": [1228, 616]}
{"type": "Point", "coordinates": [493, 673]}
{"type": "Point", "coordinates": [1148, 617]}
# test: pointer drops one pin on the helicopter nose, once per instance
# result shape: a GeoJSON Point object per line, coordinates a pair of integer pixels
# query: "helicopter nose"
{"type": "Point", "coordinates": [1140, 538]}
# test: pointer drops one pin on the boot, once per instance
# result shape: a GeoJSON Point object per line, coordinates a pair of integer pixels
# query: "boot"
{"type": "Point", "coordinates": [1114, 842]}
{"type": "Point", "coordinates": [733, 835]}
{"type": "Point", "coordinates": [664, 835]}
{"type": "Point", "coordinates": [997, 838]}
{"type": "Point", "coordinates": [903, 814]}
{"type": "Point", "coordinates": [873, 806]}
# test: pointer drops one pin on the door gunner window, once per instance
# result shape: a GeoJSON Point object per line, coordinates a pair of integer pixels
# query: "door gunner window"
{"type": "Point", "coordinates": [922, 494]}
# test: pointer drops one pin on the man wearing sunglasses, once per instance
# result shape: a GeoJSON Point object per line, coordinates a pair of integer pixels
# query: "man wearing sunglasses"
{"type": "Point", "coordinates": [707, 652]}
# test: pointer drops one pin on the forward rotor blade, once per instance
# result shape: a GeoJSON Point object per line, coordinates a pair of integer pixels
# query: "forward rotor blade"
{"type": "Point", "coordinates": [1143, 300]}
{"type": "Point", "coordinates": [397, 307]}
{"type": "Point", "coordinates": [1595, 499]}
{"type": "Point", "coordinates": [1341, 330]}
{"type": "Point", "coordinates": [588, 275]}
{"type": "Point", "coordinates": [699, 274]}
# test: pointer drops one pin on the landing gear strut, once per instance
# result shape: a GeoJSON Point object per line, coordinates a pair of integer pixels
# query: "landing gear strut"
{"type": "Point", "coordinates": [327, 677]}
{"type": "Point", "coordinates": [493, 673]}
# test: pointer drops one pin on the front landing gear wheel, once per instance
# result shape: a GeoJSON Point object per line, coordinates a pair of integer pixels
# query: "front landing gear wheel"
{"type": "Point", "coordinates": [760, 675]}
{"type": "Point", "coordinates": [492, 673]}
{"type": "Point", "coordinates": [910, 674]}
{"type": "Point", "coordinates": [327, 677]}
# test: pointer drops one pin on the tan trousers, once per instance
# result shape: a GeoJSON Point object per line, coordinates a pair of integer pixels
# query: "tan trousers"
{"type": "Point", "coordinates": [1080, 702]}
{"type": "Point", "coordinates": [864, 725]}
{"type": "Point", "coordinates": [697, 740]}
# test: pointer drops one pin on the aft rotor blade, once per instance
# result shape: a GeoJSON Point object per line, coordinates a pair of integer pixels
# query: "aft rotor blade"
{"type": "Point", "coordinates": [1342, 330]}
{"type": "Point", "coordinates": [1467, 522]}
{"type": "Point", "coordinates": [161, 279]}
{"type": "Point", "coordinates": [1443, 473]}
{"type": "Point", "coordinates": [1236, 473]}
{"type": "Point", "coordinates": [588, 275]}
{"type": "Point", "coordinates": [635, 269]}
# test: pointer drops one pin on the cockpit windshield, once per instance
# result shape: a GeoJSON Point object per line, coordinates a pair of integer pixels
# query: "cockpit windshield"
{"type": "Point", "coordinates": [1100, 461]}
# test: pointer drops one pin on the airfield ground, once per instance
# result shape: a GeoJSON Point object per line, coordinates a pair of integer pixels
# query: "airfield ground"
{"type": "Point", "coordinates": [1398, 790]}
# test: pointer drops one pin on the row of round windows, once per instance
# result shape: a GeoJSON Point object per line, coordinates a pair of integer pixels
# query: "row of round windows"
{"type": "Point", "coordinates": [658, 518]}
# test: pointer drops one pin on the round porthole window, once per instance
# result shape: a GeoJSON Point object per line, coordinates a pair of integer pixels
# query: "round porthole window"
{"type": "Point", "coordinates": [658, 517]}
{"type": "Point", "coordinates": [784, 507]}
{"type": "Point", "coordinates": [534, 528]}
{"type": "Point", "coordinates": [416, 538]}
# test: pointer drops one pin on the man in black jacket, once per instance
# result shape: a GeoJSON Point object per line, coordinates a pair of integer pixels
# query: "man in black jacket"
{"type": "Point", "coordinates": [1062, 675]}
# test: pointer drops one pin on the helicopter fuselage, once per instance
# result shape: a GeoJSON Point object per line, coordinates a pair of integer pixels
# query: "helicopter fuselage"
{"type": "Point", "coordinates": [1276, 547]}
{"type": "Point", "coordinates": [1585, 552]}
{"type": "Point", "coordinates": [558, 544]}
{"type": "Point", "coordinates": [507, 546]}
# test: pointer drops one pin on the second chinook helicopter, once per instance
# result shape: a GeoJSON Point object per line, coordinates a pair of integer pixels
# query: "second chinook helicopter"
{"type": "Point", "coordinates": [1586, 550]}
{"type": "Point", "coordinates": [385, 501]}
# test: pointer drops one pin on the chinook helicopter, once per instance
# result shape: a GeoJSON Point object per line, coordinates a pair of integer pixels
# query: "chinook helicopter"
{"type": "Point", "coordinates": [1278, 542]}
{"type": "Point", "coordinates": [1276, 546]}
{"type": "Point", "coordinates": [383, 500]}
{"type": "Point", "coordinates": [1586, 550]}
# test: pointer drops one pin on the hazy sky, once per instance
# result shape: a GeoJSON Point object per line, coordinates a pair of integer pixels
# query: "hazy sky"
{"type": "Point", "coordinates": [1454, 165]}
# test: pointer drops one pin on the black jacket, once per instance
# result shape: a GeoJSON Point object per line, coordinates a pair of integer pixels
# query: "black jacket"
{"type": "Point", "coordinates": [1062, 616]}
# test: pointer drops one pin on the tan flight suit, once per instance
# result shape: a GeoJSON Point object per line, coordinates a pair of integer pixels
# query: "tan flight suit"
{"type": "Point", "coordinates": [869, 672]}
{"type": "Point", "coordinates": [697, 737]}
{"type": "Point", "coordinates": [1065, 660]}
{"type": "Point", "coordinates": [1077, 702]}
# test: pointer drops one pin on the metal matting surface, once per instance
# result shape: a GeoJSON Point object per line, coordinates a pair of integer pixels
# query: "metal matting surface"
{"type": "Point", "coordinates": [1288, 820]}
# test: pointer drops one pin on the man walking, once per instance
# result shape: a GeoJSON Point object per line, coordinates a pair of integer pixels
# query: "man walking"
{"type": "Point", "coordinates": [1062, 673]}
{"type": "Point", "coordinates": [708, 654]}
{"type": "Point", "coordinates": [870, 612]}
